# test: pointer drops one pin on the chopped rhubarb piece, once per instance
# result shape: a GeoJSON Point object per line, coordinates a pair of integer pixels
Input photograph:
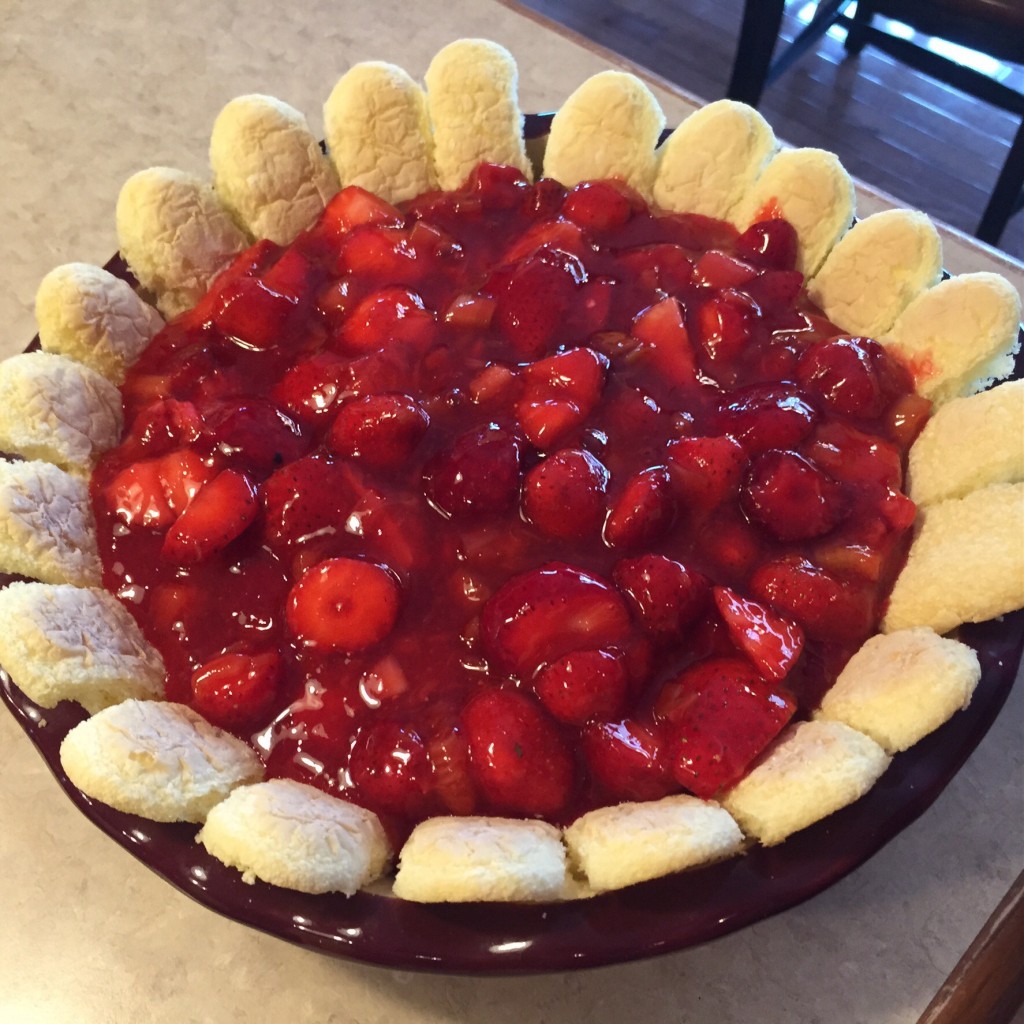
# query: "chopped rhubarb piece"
{"type": "Point", "coordinates": [343, 604]}
{"type": "Point", "coordinates": [517, 756]}
{"type": "Point", "coordinates": [218, 514]}
{"type": "Point", "coordinates": [471, 310]}
{"type": "Point", "coordinates": [544, 613]}
{"type": "Point", "coordinates": [721, 715]}
{"type": "Point", "coordinates": [236, 691]}
{"type": "Point", "coordinates": [771, 642]}
{"type": "Point", "coordinates": [723, 329]}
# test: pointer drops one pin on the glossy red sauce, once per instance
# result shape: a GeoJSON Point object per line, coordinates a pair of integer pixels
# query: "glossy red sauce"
{"type": "Point", "coordinates": [510, 501]}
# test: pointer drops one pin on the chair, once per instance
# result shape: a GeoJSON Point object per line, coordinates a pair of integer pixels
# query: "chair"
{"type": "Point", "coordinates": [995, 27]}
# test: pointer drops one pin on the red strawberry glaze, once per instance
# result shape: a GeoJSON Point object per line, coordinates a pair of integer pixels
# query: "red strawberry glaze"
{"type": "Point", "coordinates": [430, 505]}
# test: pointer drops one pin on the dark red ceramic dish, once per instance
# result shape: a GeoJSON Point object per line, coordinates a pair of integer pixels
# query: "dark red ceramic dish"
{"type": "Point", "coordinates": [645, 920]}
{"type": "Point", "coordinates": [642, 921]}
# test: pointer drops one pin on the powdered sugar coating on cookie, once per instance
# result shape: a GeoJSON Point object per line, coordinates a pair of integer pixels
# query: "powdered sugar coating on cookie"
{"type": "Point", "coordinates": [268, 169]}
{"type": "Point", "coordinates": [613, 847]}
{"type": "Point", "coordinates": [472, 101]}
{"type": "Point", "coordinates": [709, 163]}
{"type": "Point", "coordinates": [159, 760]}
{"type": "Point", "coordinates": [876, 269]}
{"type": "Point", "coordinates": [969, 443]}
{"type": "Point", "coordinates": [297, 837]}
{"type": "Point", "coordinates": [608, 128]}
{"type": "Point", "coordinates": [87, 314]}
{"type": "Point", "coordinates": [901, 686]}
{"type": "Point", "coordinates": [966, 563]}
{"type": "Point", "coordinates": [55, 409]}
{"type": "Point", "coordinates": [959, 336]}
{"type": "Point", "coordinates": [378, 134]}
{"type": "Point", "coordinates": [175, 234]}
{"type": "Point", "coordinates": [72, 643]}
{"type": "Point", "coordinates": [809, 188]}
{"type": "Point", "coordinates": [47, 529]}
{"type": "Point", "coordinates": [462, 860]}
{"type": "Point", "coordinates": [814, 769]}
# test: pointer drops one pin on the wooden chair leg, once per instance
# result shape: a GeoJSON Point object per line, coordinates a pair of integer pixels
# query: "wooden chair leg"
{"type": "Point", "coordinates": [758, 34]}
{"type": "Point", "coordinates": [1006, 196]}
{"type": "Point", "coordinates": [856, 38]}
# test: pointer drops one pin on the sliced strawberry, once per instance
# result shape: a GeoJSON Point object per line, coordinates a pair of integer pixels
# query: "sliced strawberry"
{"type": "Point", "coordinates": [389, 767]}
{"type": "Point", "coordinates": [661, 266]}
{"type": "Point", "coordinates": [392, 315]}
{"type": "Point", "coordinates": [544, 613]}
{"type": "Point", "coordinates": [666, 596]}
{"type": "Point", "coordinates": [167, 424]}
{"type": "Point", "coordinates": [718, 270]}
{"type": "Point", "coordinates": [384, 254]}
{"type": "Point", "coordinates": [353, 206]}
{"type": "Point", "coordinates": [237, 691]}
{"type": "Point", "coordinates": [706, 471]}
{"type": "Point", "coordinates": [826, 607]}
{"type": "Point", "coordinates": [643, 512]}
{"type": "Point", "coordinates": [769, 243]}
{"type": "Point", "coordinates": [564, 496]}
{"type": "Point", "coordinates": [560, 392]}
{"type": "Point", "coordinates": [311, 497]}
{"type": "Point", "coordinates": [534, 303]}
{"type": "Point", "coordinates": [291, 276]}
{"type": "Point", "coordinates": [764, 416]}
{"type": "Point", "coordinates": [792, 496]}
{"type": "Point", "coordinates": [730, 543]}
{"type": "Point", "coordinates": [343, 604]}
{"type": "Point", "coordinates": [553, 234]}
{"type": "Point", "coordinates": [845, 373]}
{"type": "Point", "coordinates": [500, 186]}
{"type": "Point", "coordinates": [775, 291]}
{"type": "Point", "coordinates": [597, 206]}
{"type": "Point", "coordinates": [771, 642]}
{"type": "Point", "coordinates": [255, 436]}
{"type": "Point", "coordinates": [452, 780]}
{"type": "Point", "coordinates": [898, 510]}
{"type": "Point", "coordinates": [137, 496]}
{"type": "Point", "coordinates": [517, 756]}
{"type": "Point", "coordinates": [723, 329]}
{"type": "Point", "coordinates": [583, 685]}
{"type": "Point", "coordinates": [311, 388]}
{"type": "Point", "coordinates": [251, 313]}
{"type": "Point", "coordinates": [665, 341]}
{"type": "Point", "coordinates": [696, 232]}
{"type": "Point", "coordinates": [379, 430]}
{"type": "Point", "coordinates": [183, 475]}
{"type": "Point", "coordinates": [851, 455]}
{"type": "Point", "coordinates": [246, 264]}
{"type": "Point", "coordinates": [627, 759]}
{"type": "Point", "coordinates": [477, 475]}
{"type": "Point", "coordinates": [714, 699]}
{"type": "Point", "coordinates": [218, 514]}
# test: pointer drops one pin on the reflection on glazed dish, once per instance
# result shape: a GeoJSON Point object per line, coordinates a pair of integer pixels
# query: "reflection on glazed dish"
{"type": "Point", "coordinates": [543, 524]}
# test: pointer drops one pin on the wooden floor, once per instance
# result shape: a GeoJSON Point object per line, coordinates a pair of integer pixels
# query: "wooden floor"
{"type": "Point", "coordinates": [901, 131]}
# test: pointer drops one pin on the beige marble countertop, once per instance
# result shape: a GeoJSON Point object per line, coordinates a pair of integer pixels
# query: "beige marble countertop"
{"type": "Point", "coordinates": [91, 91]}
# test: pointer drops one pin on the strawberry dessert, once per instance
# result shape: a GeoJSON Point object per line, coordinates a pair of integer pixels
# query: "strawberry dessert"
{"type": "Point", "coordinates": [510, 500]}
